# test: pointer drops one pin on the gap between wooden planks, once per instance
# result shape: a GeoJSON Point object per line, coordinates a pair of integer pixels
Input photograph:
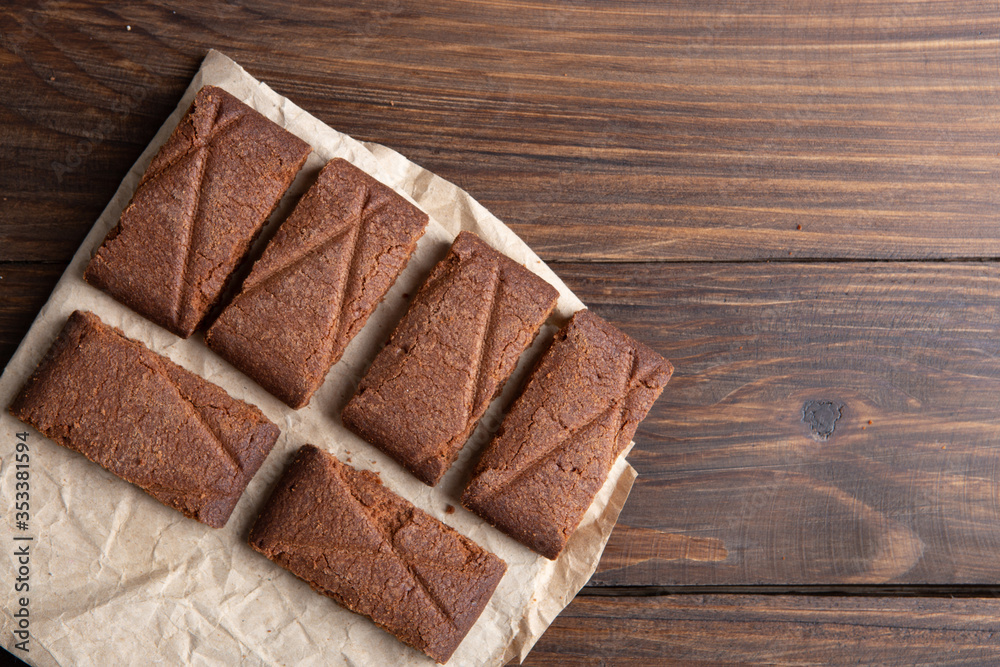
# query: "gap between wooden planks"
{"type": "Point", "coordinates": [773, 630]}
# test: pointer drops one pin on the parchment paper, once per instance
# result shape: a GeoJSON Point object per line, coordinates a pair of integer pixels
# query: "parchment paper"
{"type": "Point", "coordinates": [118, 578]}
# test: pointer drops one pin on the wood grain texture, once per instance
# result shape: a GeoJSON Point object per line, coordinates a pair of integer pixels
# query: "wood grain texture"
{"type": "Point", "coordinates": [621, 140]}
{"type": "Point", "coordinates": [24, 289]}
{"type": "Point", "coordinates": [740, 483]}
{"type": "Point", "coordinates": [699, 129]}
{"type": "Point", "coordinates": [771, 630]}
{"type": "Point", "coordinates": [735, 487]}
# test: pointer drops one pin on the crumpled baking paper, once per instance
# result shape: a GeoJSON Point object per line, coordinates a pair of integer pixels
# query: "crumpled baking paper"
{"type": "Point", "coordinates": [118, 578]}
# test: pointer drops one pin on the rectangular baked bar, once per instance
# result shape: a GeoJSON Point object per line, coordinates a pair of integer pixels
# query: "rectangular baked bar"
{"type": "Point", "coordinates": [200, 204]}
{"type": "Point", "coordinates": [180, 439]}
{"type": "Point", "coordinates": [555, 448]}
{"type": "Point", "coordinates": [320, 277]}
{"type": "Point", "coordinates": [449, 357]}
{"type": "Point", "coordinates": [373, 552]}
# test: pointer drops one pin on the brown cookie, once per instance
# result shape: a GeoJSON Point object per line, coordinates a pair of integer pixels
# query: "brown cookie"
{"type": "Point", "coordinates": [180, 439]}
{"type": "Point", "coordinates": [449, 357]}
{"type": "Point", "coordinates": [555, 448]}
{"type": "Point", "coordinates": [373, 552]}
{"type": "Point", "coordinates": [320, 277]}
{"type": "Point", "coordinates": [202, 201]}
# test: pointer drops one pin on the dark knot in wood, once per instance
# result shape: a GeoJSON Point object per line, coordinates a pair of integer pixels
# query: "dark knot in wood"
{"type": "Point", "coordinates": [821, 416]}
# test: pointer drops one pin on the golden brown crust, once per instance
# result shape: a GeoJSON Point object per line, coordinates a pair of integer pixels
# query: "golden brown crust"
{"type": "Point", "coordinates": [373, 552]}
{"type": "Point", "coordinates": [449, 357]}
{"type": "Point", "coordinates": [200, 204]}
{"type": "Point", "coordinates": [181, 439]}
{"type": "Point", "coordinates": [555, 448]}
{"type": "Point", "coordinates": [325, 271]}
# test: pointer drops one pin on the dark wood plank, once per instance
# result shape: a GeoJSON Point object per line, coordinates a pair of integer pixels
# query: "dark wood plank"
{"type": "Point", "coordinates": [735, 486]}
{"type": "Point", "coordinates": [745, 475]}
{"type": "Point", "coordinates": [24, 289]}
{"type": "Point", "coordinates": [771, 630]}
{"type": "Point", "coordinates": [599, 130]}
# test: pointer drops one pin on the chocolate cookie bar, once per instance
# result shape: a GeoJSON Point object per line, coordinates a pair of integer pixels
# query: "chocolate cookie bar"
{"type": "Point", "coordinates": [180, 439]}
{"type": "Point", "coordinates": [202, 201]}
{"type": "Point", "coordinates": [320, 277]}
{"type": "Point", "coordinates": [449, 357]}
{"type": "Point", "coordinates": [373, 552]}
{"type": "Point", "coordinates": [555, 448]}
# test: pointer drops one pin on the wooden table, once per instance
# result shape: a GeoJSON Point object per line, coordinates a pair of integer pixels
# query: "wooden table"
{"type": "Point", "coordinates": [795, 201]}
